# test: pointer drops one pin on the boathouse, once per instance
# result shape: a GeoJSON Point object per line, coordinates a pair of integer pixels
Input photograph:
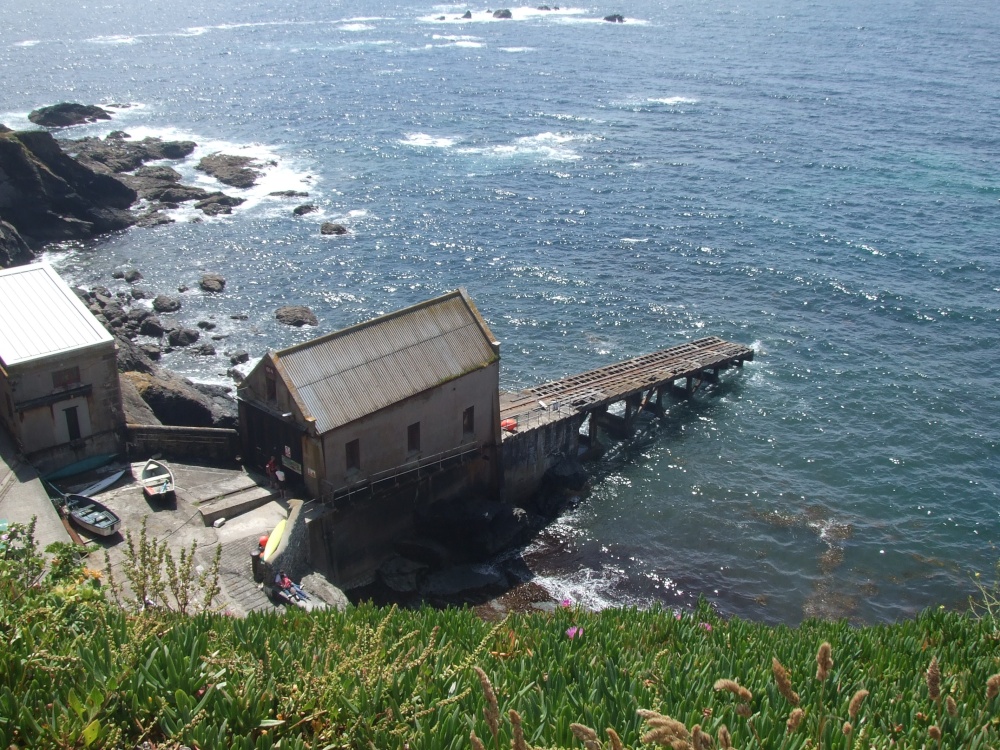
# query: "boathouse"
{"type": "Point", "coordinates": [60, 397]}
{"type": "Point", "coordinates": [370, 406]}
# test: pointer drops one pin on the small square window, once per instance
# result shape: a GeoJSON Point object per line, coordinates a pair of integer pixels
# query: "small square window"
{"type": "Point", "coordinates": [66, 378]}
{"type": "Point", "coordinates": [413, 438]}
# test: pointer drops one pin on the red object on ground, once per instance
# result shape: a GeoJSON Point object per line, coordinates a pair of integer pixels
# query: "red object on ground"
{"type": "Point", "coordinates": [509, 424]}
{"type": "Point", "coordinates": [262, 541]}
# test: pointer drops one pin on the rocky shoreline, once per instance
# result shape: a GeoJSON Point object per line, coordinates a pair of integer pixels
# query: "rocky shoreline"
{"type": "Point", "coordinates": [74, 189]}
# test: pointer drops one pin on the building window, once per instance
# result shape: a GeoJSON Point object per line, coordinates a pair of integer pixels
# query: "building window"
{"type": "Point", "coordinates": [469, 422]}
{"type": "Point", "coordinates": [353, 454]}
{"type": "Point", "coordinates": [72, 423]}
{"type": "Point", "coordinates": [66, 378]}
{"type": "Point", "coordinates": [272, 388]}
{"type": "Point", "coordinates": [413, 438]}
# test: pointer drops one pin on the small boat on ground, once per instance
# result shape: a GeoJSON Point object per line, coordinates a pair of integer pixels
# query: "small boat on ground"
{"type": "Point", "coordinates": [91, 515]}
{"type": "Point", "coordinates": [157, 479]}
{"type": "Point", "coordinates": [103, 484]}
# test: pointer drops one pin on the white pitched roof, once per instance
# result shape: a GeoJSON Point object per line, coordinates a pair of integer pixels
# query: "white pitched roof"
{"type": "Point", "coordinates": [40, 316]}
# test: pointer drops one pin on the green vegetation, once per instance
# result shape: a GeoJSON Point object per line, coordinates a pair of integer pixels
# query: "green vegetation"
{"type": "Point", "coordinates": [80, 671]}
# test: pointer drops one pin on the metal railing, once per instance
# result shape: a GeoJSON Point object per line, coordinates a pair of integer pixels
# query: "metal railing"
{"type": "Point", "coordinates": [332, 493]}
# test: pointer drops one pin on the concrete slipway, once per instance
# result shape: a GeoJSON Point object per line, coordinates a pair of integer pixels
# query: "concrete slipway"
{"type": "Point", "coordinates": [203, 495]}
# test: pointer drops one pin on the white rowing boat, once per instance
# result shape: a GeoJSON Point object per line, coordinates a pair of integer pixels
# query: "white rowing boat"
{"type": "Point", "coordinates": [157, 479]}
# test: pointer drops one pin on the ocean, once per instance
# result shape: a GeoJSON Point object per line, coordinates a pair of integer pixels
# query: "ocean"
{"type": "Point", "coordinates": [816, 180]}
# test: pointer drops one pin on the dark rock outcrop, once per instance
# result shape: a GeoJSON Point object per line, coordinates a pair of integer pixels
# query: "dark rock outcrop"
{"type": "Point", "coordinates": [13, 249]}
{"type": "Point", "coordinates": [305, 208]}
{"type": "Point", "coordinates": [137, 411]}
{"type": "Point", "coordinates": [118, 153]}
{"type": "Point", "coordinates": [230, 170]}
{"type": "Point", "coordinates": [330, 227]}
{"type": "Point", "coordinates": [217, 203]}
{"type": "Point", "coordinates": [289, 194]}
{"type": "Point", "coordinates": [182, 336]}
{"type": "Point", "coordinates": [66, 114]}
{"type": "Point", "coordinates": [49, 196]}
{"type": "Point", "coordinates": [296, 315]}
{"type": "Point", "coordinates": [615, 18]}
{"type": "Point", "coordinates": [175, 400]}
{"type": "Point", "coordinates": [467, 15]}
{"type": "Point", "coordinates": [502, 13]}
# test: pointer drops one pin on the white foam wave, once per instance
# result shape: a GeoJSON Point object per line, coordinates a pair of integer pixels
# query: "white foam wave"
{"type": "Point", "coordinates": [516, 50]}
{"type": "Point", "coordinates": [277, 173]}
{"type": "Point", "coordinates": [27, 43]}
{"type": "Point", "coordinates": [356, 27]}
{"type": "Point", "coordinates": [448, 14]}
{"type": "Point", "coordinates": [423, 140]}
{"type": "Point", "coordinates": [456, 37]}
{"type": "Point", "coordinates": [546, 146]}
{"type": "Point", "coordinates": [586, 588]}
{"type": "Point", "coordinates": [672, 100]}
{"type": "Point", "coordinates": [113, 39]}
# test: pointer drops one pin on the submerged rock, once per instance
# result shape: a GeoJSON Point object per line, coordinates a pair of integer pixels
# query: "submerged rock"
{"type": "Point", "coordinates": [230, 170]}
{"type": "Point", "coordinates": [212, 282]}
{"type": "Point", "coordinates": [296, 315]}
{"type": "Point", "coordinates": [166, 304]}
{"type": "Point", "coordinates": [66, 114]}
{"type": "Point", "coordinates": [330, 227]}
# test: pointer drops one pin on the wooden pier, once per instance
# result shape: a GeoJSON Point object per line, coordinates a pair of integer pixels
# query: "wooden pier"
{"type": "Point", "coordinates": [640, 383]}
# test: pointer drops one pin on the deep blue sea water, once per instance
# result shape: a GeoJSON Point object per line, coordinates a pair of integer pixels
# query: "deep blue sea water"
{"type": "Point", "coordinates": [818, 180]}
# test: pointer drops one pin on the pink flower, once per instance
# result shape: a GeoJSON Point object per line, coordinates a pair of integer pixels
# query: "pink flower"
{"type": "Point", "coordinates": [677, 615]}
{"type": "Point", "coordinates": [706, 626]}
{"type": "Point", "coordinates": [566, 603]}
{"type": "Point", "coordinates": [573, 632]}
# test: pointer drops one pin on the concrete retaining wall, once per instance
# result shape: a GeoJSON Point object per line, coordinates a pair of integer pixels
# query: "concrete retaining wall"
{"type": "Point", "coordinates": [201, 444]}
{"type": "Point", "coordinates": [528, 455]}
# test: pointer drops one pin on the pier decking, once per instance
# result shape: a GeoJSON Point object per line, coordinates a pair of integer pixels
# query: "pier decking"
{"type": "Point", "coordinates": [639, 382]}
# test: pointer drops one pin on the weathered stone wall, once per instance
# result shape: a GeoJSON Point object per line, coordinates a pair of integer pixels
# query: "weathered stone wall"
{"type": "Point", "coordinates": [528, 455]}
{"type": "Point", "coordinates": [201, 444]}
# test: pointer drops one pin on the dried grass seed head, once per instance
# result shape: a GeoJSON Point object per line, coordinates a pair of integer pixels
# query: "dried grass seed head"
{"type": "Point", "coordinates": [735, 688]}
{"type": "Point", "coordinates": [725, 739]}
{"type": "Point", "coordinates": [993, 686]}
{"type": "Point", "coordinates": [492, 707]}
{"type": "Point", "coordinates": [934, 680]}
{"type": "Point", "coordinates": [824, 661]}
{"type": "Point", "coordinates": [855, 704]}
{"type": "Point", "coordinates": [783, 681]}
{"type": "Point", "coordinates": [794, 719]}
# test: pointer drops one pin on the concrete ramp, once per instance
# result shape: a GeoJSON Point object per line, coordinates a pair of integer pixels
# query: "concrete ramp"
{"type": "Point", "coordinates": [234, 504]}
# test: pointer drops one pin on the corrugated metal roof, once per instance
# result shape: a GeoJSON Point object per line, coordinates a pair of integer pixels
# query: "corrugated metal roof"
{"type": "Point", "coordinates": [40, 316]}
{"type": "Point", "coordinates": [345, 375]}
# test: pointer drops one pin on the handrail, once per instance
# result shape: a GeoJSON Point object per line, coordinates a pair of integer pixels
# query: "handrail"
{"type": "Point", "coordinates": [395, 472]}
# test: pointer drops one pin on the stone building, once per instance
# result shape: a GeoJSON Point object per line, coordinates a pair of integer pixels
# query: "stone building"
{"type": "Point", "coordinates": [379, 422]}
{"type": "Point", "coordinates": [375, 402]}
{"type": "Point", "coordinates": [60, 397]}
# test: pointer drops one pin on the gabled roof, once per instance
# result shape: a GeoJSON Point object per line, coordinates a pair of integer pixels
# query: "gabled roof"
{"type": "Point", "coordinates": [40, 316]}
{"type": "Point", "coordinates": [347, 374]}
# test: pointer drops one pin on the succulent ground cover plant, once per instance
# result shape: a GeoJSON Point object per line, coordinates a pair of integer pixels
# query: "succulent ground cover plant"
{"type": "Point", "coordinates": [81, 670]}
